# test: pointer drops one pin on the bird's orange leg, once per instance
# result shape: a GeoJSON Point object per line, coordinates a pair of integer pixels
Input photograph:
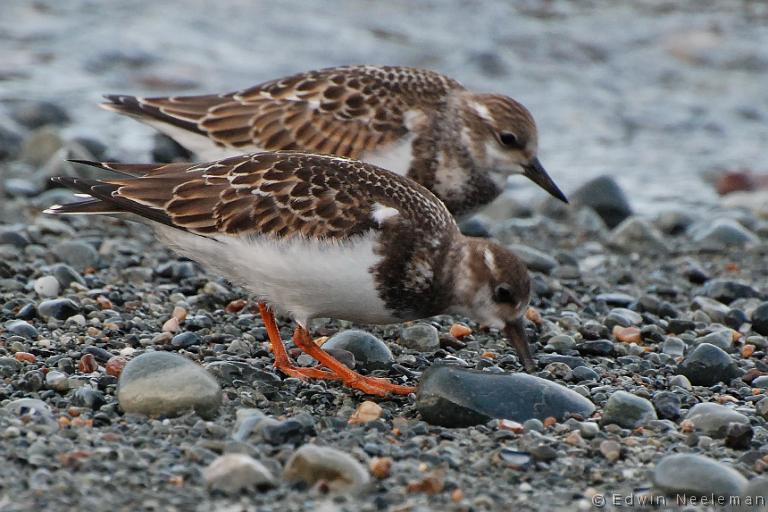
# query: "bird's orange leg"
{"type": "Point", "coordinates": [282, 361]}
{"type": "Point", "coordinates": [369, 385]}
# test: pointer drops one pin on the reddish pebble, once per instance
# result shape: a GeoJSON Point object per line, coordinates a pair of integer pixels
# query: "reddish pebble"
{"type": "Point", "coordinates": [179, 313]}
{"type": "Point", "coordinates": [459, 331]}
{"type": "Point", "coordinates": [550, 421]}
{"type": "Point", "coordinates": [103, 302]}
{"type": "Point", "coordinates": [627, 334]}
{"type": "Point", "coordinates": [115, 366]}
{"type": "Point", "coordinates": [747, 350]}
{"type": "Point", "coordinates": [25, 356]}
{"type": "Point", "coordinates": [87, 364]}
{"type": "Point", "coordinates": [533, 315]}
{"type": "Point", "coordinates": [380, 467]}
{"type": "Point", "coordinates": [235, 306]}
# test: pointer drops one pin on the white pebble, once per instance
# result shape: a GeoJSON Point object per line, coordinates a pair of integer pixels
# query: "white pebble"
{"type": "Point", "coordinates": [47, 286]}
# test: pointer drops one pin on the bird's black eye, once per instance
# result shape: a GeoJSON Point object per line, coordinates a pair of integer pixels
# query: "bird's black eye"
{"type": "Point", "coordinates": [509, 140]}
{"type": "Point", "coordinates": [503, 294]}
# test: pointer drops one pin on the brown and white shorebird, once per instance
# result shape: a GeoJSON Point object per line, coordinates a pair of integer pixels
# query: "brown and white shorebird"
{"type": "Point", "coordinates": [320, 236]}
{"type": "Point", "coordinates": [417, 123]}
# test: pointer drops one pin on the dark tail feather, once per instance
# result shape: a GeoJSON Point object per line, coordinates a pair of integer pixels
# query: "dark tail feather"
{"type": "Point", "coordinates": [104, 200]}
{"type": "Point", "coordinates": [133, 106]}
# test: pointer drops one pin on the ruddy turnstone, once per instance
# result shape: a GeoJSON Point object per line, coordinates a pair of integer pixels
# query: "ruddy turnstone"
{"type": "Point", "coordinates": [320, 236]}
{"type": "Point", "coordinates": [417, 123]}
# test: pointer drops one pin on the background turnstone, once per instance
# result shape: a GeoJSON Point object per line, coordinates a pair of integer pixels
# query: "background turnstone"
{"type": "Point", "coordinates": [320, 236]}
{"type": "Point", "coordinates": [459, 144]}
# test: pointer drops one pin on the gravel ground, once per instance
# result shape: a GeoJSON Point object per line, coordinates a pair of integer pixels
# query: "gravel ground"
{"type": "Point", "coordinates": [651, 295]}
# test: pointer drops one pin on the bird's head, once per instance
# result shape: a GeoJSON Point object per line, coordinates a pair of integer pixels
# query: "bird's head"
{"type": "Point", "coordinates": [493, 288]}
{"type": "Point", "coordinates": [504, 139]}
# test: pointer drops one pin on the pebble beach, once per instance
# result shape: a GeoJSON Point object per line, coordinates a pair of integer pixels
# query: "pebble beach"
{"type": "Point", "coordinates": [131, 379]}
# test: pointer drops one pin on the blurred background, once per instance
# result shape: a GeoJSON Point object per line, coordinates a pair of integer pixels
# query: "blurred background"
{"type": "Point", "coordinates": [661, 95]}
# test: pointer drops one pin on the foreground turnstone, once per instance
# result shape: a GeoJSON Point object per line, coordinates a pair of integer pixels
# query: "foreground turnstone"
{"type": "Point", "coordinates": [417, 123]}
{"type": "Point", "coordinates": [320, 236]}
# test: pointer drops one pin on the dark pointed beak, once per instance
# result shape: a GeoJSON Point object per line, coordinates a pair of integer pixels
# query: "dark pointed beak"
{"type": "Point", "coordinates": [535, 172]}
{"type": "Point", "coordinates": [515, 333]}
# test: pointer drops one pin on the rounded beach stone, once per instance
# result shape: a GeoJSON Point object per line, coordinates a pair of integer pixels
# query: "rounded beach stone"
{"type": "Point", "coordinates": [167, 384]}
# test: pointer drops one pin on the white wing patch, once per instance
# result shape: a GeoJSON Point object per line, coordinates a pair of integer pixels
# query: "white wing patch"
{"type": "Point", "coordinates": [382, 213]}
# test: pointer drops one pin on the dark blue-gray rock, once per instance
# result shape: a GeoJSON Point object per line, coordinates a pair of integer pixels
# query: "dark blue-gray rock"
{"type": "Point", "coordinates": [721, 339]}
{"type": "Point", "coordinates": [185, 340]}
{"type": "Point", "coordinates": [667, 405]}
{"type": "Point", "coordinates": [707, 365]}
{"type": "Point", "coordinates": [9, 367]}
{"type": "Point", "coordinates": [88, 397]}
{"type": "Point", "coordinates": [694, 272]}
{"type": "Point", "coordinates": [422, 337]}
{"type": "Point", "coordinates": [627, 410]}
{"type": "Point", "coordinates": [66, 275]}
{"type": "Point", "coordinates": [291, 431]}
{"type": "Point", "coordinates": [37, 113]}
{"type": "Point", "coordinates": [722, 234]}
{"type": "Point", "coordinates": [739, 436]}
{"type": "Point", "coordinates": [696, 475]}
{"type": "Point", "coordinates": [100, 354]}
{"type": "Point", "coordinates": [726, 290]}
{"type": "Point", "coordinates": [581, 373]}
{"type": "Point", "coordinates": [616, 299]}
{"type": "Point", "coordinates": [622, 317]}
{"type": "Point", "coordinates": [713, 419]}
{"type": "Point", "coordinates": [474, 227]}
{"type": "Point", "coordinates": [679, 326]}
{"type": "Point", "coordinates": [561, 343]}
{"type": "Point", "coordinates": [458, 397]}
{"type": "Point", "coordinates": [606, 198]}
{"type": "Point", "coordinates": [760, 319]}
{"type": "Point", "coordinates": [341, 472]}
{"type": "Point", "coordinates": [571, 361]}
{"type": "Point", "coordinates": [60, 309]}
{"type": "Point", "coordinates": [237, 472]}
{"type": "Point", "coordinates": [596, 348]}
{"type": "Point", "coordinates": [80, 255]}
{"type": "Point", "coordinates": [10, 143]}
{"type": "Point", "coordinates": [13, 237]}
{"type": "Point", "coordinates": [369, 351]}
{"type": "Point", "coordinates": [674, 347]}
{"type": "Point", "coordinates": [736, 318]}
{"type": "Point", "coordinates": [637, 235]}
{"type": "Point", "coordinates": [19, 187]}
{"type": "Point", "coordinates": [165, 384]}
{"type": "Point", "coordinates": [22, 328]}
{"type": "Point", "coordinates": [534, 259]}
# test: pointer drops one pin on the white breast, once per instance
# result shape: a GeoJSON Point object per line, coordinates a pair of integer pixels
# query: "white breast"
{"type": "Point", "coordinates": [304, 278]}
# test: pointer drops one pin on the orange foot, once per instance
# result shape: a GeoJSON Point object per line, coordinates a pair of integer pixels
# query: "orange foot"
{"type": "Point", "coordinates": [335, 369]}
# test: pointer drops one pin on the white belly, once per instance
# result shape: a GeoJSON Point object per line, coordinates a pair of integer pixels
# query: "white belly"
{"type": "Point", "coordinates": [304, 278]}
{"type": "Point", "coordinates": [204, 148]}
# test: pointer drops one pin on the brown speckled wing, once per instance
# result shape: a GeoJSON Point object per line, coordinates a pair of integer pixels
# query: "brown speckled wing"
{"type": "Point", "coordinates": [344, 111]}
{"type": "Point", "coordinates": [281, 195]}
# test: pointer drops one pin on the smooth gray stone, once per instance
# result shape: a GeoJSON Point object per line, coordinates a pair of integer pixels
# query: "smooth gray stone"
{"type": "Point", "coordinates": [696, 475]}
{"type": "Point", "coordinates": [458, 397]}
{"type": "Point", "coordinates": [166, 384]}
